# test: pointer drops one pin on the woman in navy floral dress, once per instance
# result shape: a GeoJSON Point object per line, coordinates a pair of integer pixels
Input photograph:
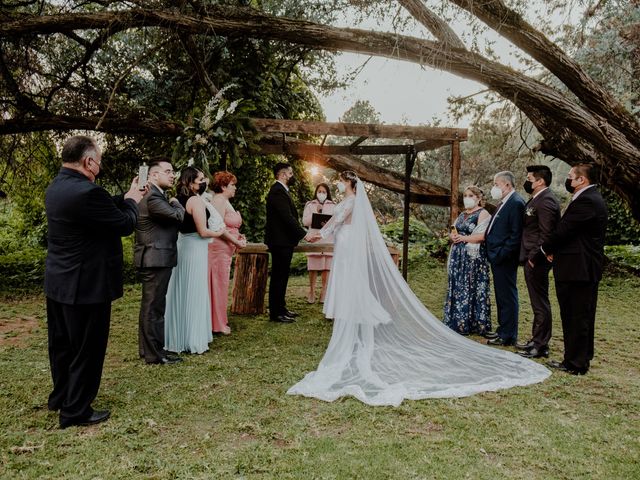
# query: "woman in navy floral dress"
{"type": "Point", "coordinates": [468, 308]}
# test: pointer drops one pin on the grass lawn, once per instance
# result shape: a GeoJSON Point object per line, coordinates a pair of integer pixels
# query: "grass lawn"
{"type": "Point", "coordinates": [224, 414]}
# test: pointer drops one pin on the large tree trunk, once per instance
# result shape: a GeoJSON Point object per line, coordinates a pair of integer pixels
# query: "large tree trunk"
{"type": "Point", "coordinates": [599, 130]}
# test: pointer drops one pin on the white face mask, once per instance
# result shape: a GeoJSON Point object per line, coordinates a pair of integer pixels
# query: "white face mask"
{"type": "Point", "coordinates": [469, 202]}
{"type": "Point", "coordinates": [321, 197]}
{"type": "Point", "coordinates": [496, 193]}
{"type": "Point", "coordinates": [341, 187]}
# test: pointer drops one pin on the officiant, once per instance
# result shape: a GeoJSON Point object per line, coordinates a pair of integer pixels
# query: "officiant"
{"type": "Point", "coordinates": [316, 213]}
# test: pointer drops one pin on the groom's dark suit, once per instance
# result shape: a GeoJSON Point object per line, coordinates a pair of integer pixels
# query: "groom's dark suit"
{"type": "Point", "coordinates": [542, 213]}
{"type": "Point", "coordinates": [83, 275]}
{"type": "Point", "coordinates": [282, 233]}
{"type": "Point", "coordinates": [577, 246]}
{"type": "Point", "coordinates": [503, 248]}
{"type": "Point", "coordinates": [155, 255]}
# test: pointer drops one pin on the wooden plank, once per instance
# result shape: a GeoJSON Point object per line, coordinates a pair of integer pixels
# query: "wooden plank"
{"type": "Point", "coordinates": [410, 160]}
{"type": "Point", "coordinates": [313, 149]}
{"type": "Point", "coordinates": [430, 145]}
{"type": "Point", "coordinates": [455, 181]}
{"type": "Point", "coordinates": [261, 248]}
{"type": "Point", "coordinates": [358, 141]}
{"type": "Point", "coordinates": [269, 125]}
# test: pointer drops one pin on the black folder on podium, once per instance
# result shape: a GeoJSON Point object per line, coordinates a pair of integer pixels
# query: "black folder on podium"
{"type": "Point", "coordinates": [319, 219]}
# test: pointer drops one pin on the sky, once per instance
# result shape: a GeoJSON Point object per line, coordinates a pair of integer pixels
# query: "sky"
{"type": "Point", "coordinates": [400, 91]}
{"type": "Point", "coordinates": [404, 91]}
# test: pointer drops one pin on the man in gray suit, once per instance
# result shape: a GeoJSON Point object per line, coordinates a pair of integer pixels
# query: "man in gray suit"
{"type": "Point", "coordinates": [542, 213]}
{"type": "Point", "coordinates": [155, 255]}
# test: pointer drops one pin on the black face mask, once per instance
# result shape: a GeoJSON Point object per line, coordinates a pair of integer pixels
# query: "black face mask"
{"type": "Point", "coordinates": [528, 186]}
{"type": "Point", "coordinates": [291, 182]}
{"type": "Point", "coordinates": [202, 188]}
{"type": "Point", "coordinates": [567, 185]}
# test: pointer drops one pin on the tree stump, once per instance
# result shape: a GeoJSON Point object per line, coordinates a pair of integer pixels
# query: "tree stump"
{"type": "Point", "coordinates": [250, 280]}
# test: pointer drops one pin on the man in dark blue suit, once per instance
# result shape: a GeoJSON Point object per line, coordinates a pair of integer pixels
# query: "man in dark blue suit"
{"type": "Point", "coordinates": [577, 250]}
{"type": "Point", "coordinates": [503, 249]}
{"type": "Point", "coordinates": [83, 275]}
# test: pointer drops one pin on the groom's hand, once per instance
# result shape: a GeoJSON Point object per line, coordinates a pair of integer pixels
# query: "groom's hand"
{"type": "Point", "coordinates": [312, 237]}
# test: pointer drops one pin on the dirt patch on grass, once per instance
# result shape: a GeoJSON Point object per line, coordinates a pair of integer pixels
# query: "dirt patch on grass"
{"type": "Point", "coordinates": [15, 332]}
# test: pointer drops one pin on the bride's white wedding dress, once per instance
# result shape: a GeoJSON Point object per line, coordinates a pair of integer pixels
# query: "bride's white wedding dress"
{"type": "Point", "coordinates": [386, 346]}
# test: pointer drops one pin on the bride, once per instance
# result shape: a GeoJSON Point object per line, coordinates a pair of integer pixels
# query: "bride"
{"type": "Point", "coordinates": [386, 346]}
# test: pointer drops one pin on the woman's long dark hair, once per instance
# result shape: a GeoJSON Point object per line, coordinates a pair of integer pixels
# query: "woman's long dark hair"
{"type": "Point", "coordinates": [326, 188]}
{"type": "Point", "coordinates": [188, 175]}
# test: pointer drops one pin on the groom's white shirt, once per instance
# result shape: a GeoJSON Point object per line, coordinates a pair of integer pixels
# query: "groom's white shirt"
{"type": "Point", "coordinates": [281, 183]}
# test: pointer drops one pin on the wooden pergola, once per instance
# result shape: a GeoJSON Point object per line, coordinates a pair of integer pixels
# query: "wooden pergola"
{"type": "Point", "coordinates": [277, 139]}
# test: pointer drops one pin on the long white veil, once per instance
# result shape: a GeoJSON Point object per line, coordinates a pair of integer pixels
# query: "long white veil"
{"type": "Point", "coordinates": [386, 346]}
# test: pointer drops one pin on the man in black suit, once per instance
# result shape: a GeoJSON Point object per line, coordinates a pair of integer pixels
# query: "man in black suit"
{"type": "Point", "coordinates": [83, 276]}
{"type": "Point", "coordinates": [542, 213]}
{"type": "Point", "coordinates": [155, 254]}
{"type": "Point", "coordinates": [503, 249]}
{"type": "Point", "coordinates": [577, 251]}
{"type": "Point", "coordinates": [282, 233]}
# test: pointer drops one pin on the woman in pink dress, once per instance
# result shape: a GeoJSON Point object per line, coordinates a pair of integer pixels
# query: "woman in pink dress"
{"type": "Point", "coordinates": [318, 262]}
{"type": "Point", "coordinates": [222, 249]}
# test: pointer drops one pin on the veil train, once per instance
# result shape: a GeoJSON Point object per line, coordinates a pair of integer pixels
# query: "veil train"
{"type": "Point", "coordinates": [386, 346]}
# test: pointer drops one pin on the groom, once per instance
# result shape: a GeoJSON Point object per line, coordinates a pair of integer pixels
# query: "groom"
{"type": "Point", "coordinates": [282, 233]}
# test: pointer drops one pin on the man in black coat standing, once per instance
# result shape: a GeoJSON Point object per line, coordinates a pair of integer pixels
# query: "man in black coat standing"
{"type": "Point", "coordinates": [83, 275]}
{"type": "Point", "coordinates": [577, 251]}
{"type": "Point", "coordinates": [155, 254]}
{"type": "Point", "coordinates": [282, 234]}
{"type": "Point", "coordinates": [541, 216]}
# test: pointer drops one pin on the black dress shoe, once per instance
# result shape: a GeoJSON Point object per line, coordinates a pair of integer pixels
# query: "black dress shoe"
{"type": "Point", "coordinates": [535, 353]}
{"type": "Point", "coordinates": [282, 319]}
{"type": "Point", "coordinates": [499, 341]}
{"type": "Point", "coordinates": [525, 346]}
{"type": "Point", "coordinates": [168, 354]}
{"type": "Point", "coordinates": [166, 361]}
{"type": "Point", "coordinates": [563, 368]}
{"type": "Point", "coordinates": [97, 416]}
{"type": "Point", "coordinates": [291, 314]}
{"type": "Point", "coordinates": [490, 335]}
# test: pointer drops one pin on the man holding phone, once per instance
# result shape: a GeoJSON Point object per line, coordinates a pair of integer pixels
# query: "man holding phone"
{"type": "Point", "coordinates": [155, 255]}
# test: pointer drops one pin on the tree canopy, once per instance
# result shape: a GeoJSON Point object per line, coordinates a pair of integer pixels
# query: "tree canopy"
{"type": "Point", "coordinates": [96, 65]}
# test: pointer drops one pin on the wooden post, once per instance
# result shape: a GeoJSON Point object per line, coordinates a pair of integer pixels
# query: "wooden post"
{"type": "Point", "coordinates": [455, 180]}
{"type": "Point", "coordinates": [250, 280]}
{"type": "Point", "coordinates": [410, 159]}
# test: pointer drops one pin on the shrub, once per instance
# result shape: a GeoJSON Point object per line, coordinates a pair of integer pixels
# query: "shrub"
{"type": "Point", "coordinates": [626, 257]}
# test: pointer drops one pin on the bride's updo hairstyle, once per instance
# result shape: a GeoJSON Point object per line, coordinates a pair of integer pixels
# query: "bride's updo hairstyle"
{"type": "Point", "coordinates": [351, 177]}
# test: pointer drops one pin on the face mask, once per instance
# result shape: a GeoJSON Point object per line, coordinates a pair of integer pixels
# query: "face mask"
{"type": "Point", "coordinates": [322, 197]}
{"type": "Point", "coordinates": [528, 186]}
{"type": "Point", "coordinates": [568, 186]}
{"type": "Point", "coordinates": [202, 188]}
{"type": "Point", "coordinates": [341, 187]}
{"type": "Point", "coordinates": [469, 202]}
{"type": "Point", "coordinates": [291, 181]}
{"type": "Point", "coordinates": [496, 193]}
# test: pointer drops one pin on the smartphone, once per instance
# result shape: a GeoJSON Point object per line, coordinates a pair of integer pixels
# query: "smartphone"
{"type": "Point", "coordinates": [454, 230]}
{"type": "Point", "coordinates": [143, 176]}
